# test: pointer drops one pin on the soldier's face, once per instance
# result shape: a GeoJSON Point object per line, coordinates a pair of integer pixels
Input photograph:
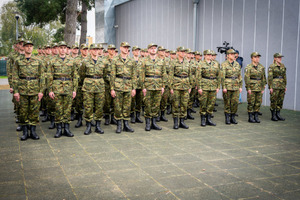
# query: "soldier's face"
{"type": "Point", "coordinates": [21, 47]}
{"type": "Point", "coordinates": [124, 50]}
{"type": "Point", "coordinates": [278, 60]}
{"type": "Point", "coordinates": [28, 48]}
{"type": "Point", "coordinates": [161, 53]}
{"type": "Point", "coordinates": [231, 57]}
{"type": "Point", "coordinates": [213, 57]}
{"type": "Point", "coordinates": [62, 50]}
{"type": "Point", "coordinates": [208, 58]}
{"type": "Point", "coordinates": [75, 51]}
{"type": "Point", "coordinates": [136, 52]}
{"type": "Point", "coordinates": [48, 51]}
{"type": "Point", "coordinates": [152, 50]}
{"type": "Point", "coordinates": [173, 56]}
{"type": "Point", "coordinates": [255, 59]}
{"type": "Point", "coordinates": [84, 52]}
{"type": "Point", "coordinates": [94, 52]}
{"type": "Point", "coordinates": [111, 52]}
{"type": "Point", "coordinates": [167, 54]}
{"type": "Point", "coordinates": [100, 52]}
{"type": "Point", "coordinates": [55, 50]}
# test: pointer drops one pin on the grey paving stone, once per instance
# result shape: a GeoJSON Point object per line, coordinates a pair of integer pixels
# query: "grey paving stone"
{"type": "Point", "coordinates": [181, 182]}
{"type": "Point", "coordinates": [199, 193]}
{"type": "Point", "coordinates": [250, 173]}
{"type": "Point", "coordinates": [217, 178]}
{"type": "Point", "coordinates": [228, 164]}
{"type": "Point", "coordinates": [280, 169]}
{"type": "Point", "coordinates": [160, 172]}
{"type": "Point", "coordinates": [197, 167]}
{"type": "Point", "coordinates": [99, 192]}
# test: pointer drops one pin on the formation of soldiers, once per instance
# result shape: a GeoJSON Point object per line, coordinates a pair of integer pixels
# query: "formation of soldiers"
{"type": "Point", "coordinates": [101, 83]}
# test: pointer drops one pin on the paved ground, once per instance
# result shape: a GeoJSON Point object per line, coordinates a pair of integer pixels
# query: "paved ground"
{"type": "Point", "coordinates": [244, 161]}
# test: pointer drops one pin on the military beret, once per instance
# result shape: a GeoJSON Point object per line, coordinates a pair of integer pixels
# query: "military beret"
{"type": "Point", "coordinates": [198, 53]}
{"type": "Point", "coordinates": [181, 49]}
{"type": "Point", "coordinates": [83, 46]}
{"type": "Point", "coordinates": [21, 40]}
{"type": "Point", "coordinates": [167, 51]}
{"type": "Point", "coordinates": [94, 46]}
{"type": "Point", "coordinates": [161, 48]}
{"type": "Point", "coordinates": [54, 45]}
{"type": "Point", "coordinates": [135, 48]}
{"type": "Point", "coordinates": [27, 42]}
{"type": "Point", "coordinates": [47, 46]}
{"type": "Point", "coordinates": [111, 46]}
{"type": "Point", "coordinates": [125, 44]}
{"type": "Point", "coordinates": [75, 46]}
{"type": "Point", "coordinates": [278, 55]}
{"type": "Point", "coordinates": [207, 52]}
{"type": "Point", "coordinates": [172, 52]}
{"type": "Point", "coordinates": [189, 51]}
{"type": "Point", "coordinates": [62, 43]}
{"type": "Point", "coordinates": [255, 54]}
{"type": "Point", "coordinates": [230, 51]}
{"type": "Point", "coordinates": [151, 45]}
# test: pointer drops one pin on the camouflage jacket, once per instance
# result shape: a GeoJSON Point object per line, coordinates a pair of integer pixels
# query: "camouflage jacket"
{"type": "Point", "coordinates": [208, 76]}
{"type": "Point", "coordinates": [28, 76]}
{"type": "Point", "coordinates": [107, 68]}
{"type": "Point", "coordinates": [168, 69]}
{"type": "Point", "coordinates": [60, 69]}
{"type": "Point", "coordinates": [193, 66]}
{"type": "Point", "coordinates": [231, 78]}
{"type": "Point", "coordinates": [90, 68]}
{"type": "Point", "coordinates": [150, 69]}
{"type": "Point", "coordinates": [180, 75]}
{"type": "Point", "coordinates": [78, 62]}
{"type": "Point", "coordinates": [277, 76]}
{"type": "Point", "coordinates": [255, 78]}
{"type": "Point", "coordinates": [138, 74]}
{"type": "Point", "coordinates": [123, 74]}
{"type": "Point", "coordinates": [9, 65]}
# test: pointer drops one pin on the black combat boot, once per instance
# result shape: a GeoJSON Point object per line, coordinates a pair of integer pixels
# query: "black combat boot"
{"type": "Point", "coordinates": [25, 132]}
{"type": "Point", "coordinates": [93, 124]}
{"type": "Point", "coordinates": [216, 104]}
{"type": "Point", "coordinates": [208, 120]}
{"type": "Point", "coordinates": [193, 110]}
{"type": "Point", "coordinates": [67, 131]}
{"type": "Point", "coordinates": [106, 117]}
{"type": "Point", "coordinates": [132, 118]}
{"type": "Point", "coordinates": [169, 109]}
{"type": "Point", "coordinates": [158, 118]}
{"type": "Point", "coordinates": [52, 124]}
{"type": "Point", "coordinates": [147, 128]}
{"type": "Point", "coordinates": [232, 119]}
{"type": "Point", "coordinates": [79, 122]}
{"type": "Point", "coordinates": [278, 116]}
{"type": "Point", "coordinates": [175, 119]}
{"type": "Point", "coordinates": [59, 131]}
{"type": "Point", "coordinates": [154, 125]}
{"type": "Point", "coordinates": [163, 117]}
{"type": "Point", "coordinates": [274, 117]}
{"type": "Point", "coordinates": [88, 129]}
{"type": "Point", "coordinates": [256, 117]}
{"type": "Point", "coordinates": [126, 127]}
{"type": "Point", "coordinates": [46, 116]}
{"type": "Point", "coordinates": [19, 128]}
{"type": "Point", "coordinates": [98, 128]}
{"type": "Point", "coordinates": [189, 114]}
{"type": "Point", "coordinates": [72, 114]}
{"type": "Point", "coordinates": [251, 120]}
{"type": "Point", "coordinates": [33, 134]}
{"type": "Point", "coordinates": [138, 117]}
{"type": "Point", "coordinates": [203, 122]}
{"type": "Point", "coordinates": [119, 126]}
{"type": "Point", "coordinates": [214, 110]}
{"type": "Point", "coordinates": [227, 119]}
{"type": "Point", "coordinates": [182, 124]}
{"type": "Point", "coordinates": [259, 113]}
{"type": "Point", "coordinates": [113, 120]}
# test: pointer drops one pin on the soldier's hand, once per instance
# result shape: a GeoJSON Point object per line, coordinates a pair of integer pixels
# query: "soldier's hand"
{"type": "Point", "coordinates": [190, 90]}
{"type": "Point", "coordinates": [241, 90]}
{"type": "Point", "coordinates": [217, 90]}
{"type": "Point", "coordinates": [40, 96]}
{"type": "Point", "coordinates": [200, 91]}
{"type": "Point", "coordinates": [113, 93]}
{"type": "Point", "coordinates": [11, 90]}
{"type": "Point", "coordinates": [224, 90]}
{"type": "Point", "coordinates": [249, 92]}
{"type": "Point", "coordinates": [51, 95]}
{"type": "Point", "coordinates": [262, 91]}
{"type": "Point", "coordinates": [285, 89]}
{"type": "Point", "coordinates": [271, 91]}
{"type": "Point", "coordinates": [17, 97]}
{"type": "Point", "coordinates": [133, 92]}
{"type": "Point", "coordinates": [74, 95]}
{"type": "Point", "coordinates": [172, 91]}
{"type": "Point", "coordinates": [162, 90]}
{"type": "Point", "coordinates": [144, 92]}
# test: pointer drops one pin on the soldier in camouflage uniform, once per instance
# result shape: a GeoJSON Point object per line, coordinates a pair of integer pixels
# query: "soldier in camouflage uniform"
{"type": "Point", "coordinates": [193, 67]}
{"type": "Point", "coordinates": [198, 61]}
{"type": "Point", "coordinates": [63, 83]}
{"type": "Point", "coordinates": [208, 83]}
{"type": "Point", "coordinates": [180, 87]}
{"type": "Point", "coordinates": [277, 86]}
{"type": "Point", "coordinates": [28, 86]}
{"type": "Point", "coordinates": [255, 81]}
{"type": "Point", "coordinates": [123, 84]}
{"type": "Point", "coordinates": [92, 72]}
{"type": "Point", "coordinates": [153, 78]}
{"type": "Point", "coordinates": [137, 100]}
{"type": "Point", "coordinates": [231, 81]}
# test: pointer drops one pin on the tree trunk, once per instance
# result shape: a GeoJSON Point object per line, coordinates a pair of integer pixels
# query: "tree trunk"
{"type": "Point", "coordinates": [83, 22]}
{"type": "Point", "coordinates": [71, 18]}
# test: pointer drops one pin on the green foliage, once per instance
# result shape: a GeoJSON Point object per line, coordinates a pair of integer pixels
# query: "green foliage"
{"type": "Point", "coordinates": [59, 35]}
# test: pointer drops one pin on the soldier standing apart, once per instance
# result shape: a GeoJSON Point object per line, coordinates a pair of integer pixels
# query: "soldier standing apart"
{"type": "Point", "coordinates": [231, 81]}
{"type": "Point", "coordinates": [180, 87]}
{"type": "Point", "coordinates": [277, 86]}
{"type": "Point", "coordinates": [63, 83]}
{"type": "Point", "coordinates": [92, 74]}
{"type": "Point", "coordinates": [153, 78]}
{"type": "Point", "coordinates": [208, 82]}
{"type": "Point", "coordinates": [255, 81]}
{"type": "Point", "coordinates": [122, 85]}
{"type": "Point", "coordinates": [28, 87]}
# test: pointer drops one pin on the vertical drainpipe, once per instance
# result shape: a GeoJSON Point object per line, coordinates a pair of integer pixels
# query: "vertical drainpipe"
{"type": "Point", "coordinates": [195, 23]}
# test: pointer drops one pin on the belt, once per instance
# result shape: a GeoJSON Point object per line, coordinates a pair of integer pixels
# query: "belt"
{"type": "Point", "coordinates": [94, 77]}
{"type": "Point", "coordinates": [122, 77]}
{"type": "Point", "coordinates": [278, 77]}
{"type": "Point", "coordinates": [182, 76]}
{"type": "Point", "coordinates": [211, 78]}
{"type": "Point", "coordinates": [28, 78]}
{"type": "Point", "coordinates": [63, 79]}
{"type": "Point", "coordinates": [255, 79]}
{"type": "Point", "coordinates": [153, 76]}
{"type": "Point", "coordinates": [233, 77]}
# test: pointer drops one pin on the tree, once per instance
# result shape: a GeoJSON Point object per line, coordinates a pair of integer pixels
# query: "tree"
{"type": "Point", "coordinates": [85, 6]}
{"type": "Point", "coordinates": [70, 27]}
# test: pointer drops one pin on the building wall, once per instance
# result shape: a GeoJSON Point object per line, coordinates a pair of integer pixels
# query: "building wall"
{"type": "Point", "coordinates": [266, 26]}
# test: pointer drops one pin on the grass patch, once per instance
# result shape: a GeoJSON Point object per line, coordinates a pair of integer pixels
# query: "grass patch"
{"type": "Point", "coordinates": [3, 76]}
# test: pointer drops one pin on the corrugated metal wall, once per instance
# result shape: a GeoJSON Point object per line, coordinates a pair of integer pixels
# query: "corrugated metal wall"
{"type": "Point", "coordinates": [266, 26]}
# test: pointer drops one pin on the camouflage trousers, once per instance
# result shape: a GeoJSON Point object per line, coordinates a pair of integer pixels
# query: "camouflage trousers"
{"type": "Point", "coordinates": [63, 105]}
{"type": "Point", "coordinates": [192, 98]}
{"type": "Point", "coordinates": [165, 100]}
{"type": "Point", "coordinates": [152, 103]}
{"type": "Point", "coordinates": [277, 98]}
{"type": "Point", "coordinates": [122, 104]}
{"type": "Point", "coordinates": [180, 103]}
{"type": "Point", "coordinates": [16, 107]}
{"type": "Point", "coordinates": [93, 102]}
{"type": "Point", "coordinates": [207, 102]}
{"type": "Point", "coordinates": [29, 110]}
{"type": "Point", "coordinates": [137, 101]}
{"type": "Point", "coordinates": [109, 101]}
{"type": "Point", "coordinates": [50, 105]}
{"type": "Point", "coordinates": [44, 100]}
{"type": "Point", "coordinates": [254, 101]}
{"type": "Point", "coordinates": [231, 101]}
{"type": "Point", "coordinates": [78, 101]}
